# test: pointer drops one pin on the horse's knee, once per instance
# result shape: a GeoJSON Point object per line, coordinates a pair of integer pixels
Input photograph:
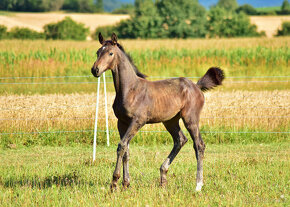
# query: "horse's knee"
{"type": "Point", "coordinates": [201, 148]}
{"type": "Point", "coordinates": [121, 147]}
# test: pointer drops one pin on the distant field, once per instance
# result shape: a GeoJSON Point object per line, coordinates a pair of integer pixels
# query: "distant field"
{"type": "Point", "coordinates": [269, 9]}
{"type": "Point", "coordinates": [36, 21]}
{"type": "Point", "coordinates": [269, 24]}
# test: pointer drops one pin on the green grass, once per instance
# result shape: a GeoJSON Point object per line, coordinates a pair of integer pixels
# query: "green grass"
{"type": "Point", "coordinates": [6, 13]}
{"type": "Point", "coordinates": [248, 136]}
{"type": "Point", "coordinates": [235, 175]}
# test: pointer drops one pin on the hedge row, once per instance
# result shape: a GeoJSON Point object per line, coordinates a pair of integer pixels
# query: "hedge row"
{"type": "Point", "coordinates": [67, 29]}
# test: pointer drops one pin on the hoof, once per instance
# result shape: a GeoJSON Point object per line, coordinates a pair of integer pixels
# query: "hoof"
{"type": "Point", "coordinates": [126, 185]}
{"type": "Point", "coordinates": [198, 187]}
{"type": "Point", "coordinates": [113, 187]}
{"type": "Point", "coordinates": [163, 183]}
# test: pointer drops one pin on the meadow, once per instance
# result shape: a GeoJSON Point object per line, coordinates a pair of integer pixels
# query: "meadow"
{"type": "Point", "coordinates": [235, 175]}
{"type": "Point", "coordinates": [47, 104]}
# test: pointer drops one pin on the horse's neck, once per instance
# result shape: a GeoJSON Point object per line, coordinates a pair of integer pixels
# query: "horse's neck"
{"type": "Point", "coordinates": [124, 77]}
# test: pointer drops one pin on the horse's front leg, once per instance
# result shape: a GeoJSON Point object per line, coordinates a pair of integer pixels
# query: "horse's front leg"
{"type": "Point", "coordinates": [123, 146]}
{"type": "Point", "coordinates": [122, 128]}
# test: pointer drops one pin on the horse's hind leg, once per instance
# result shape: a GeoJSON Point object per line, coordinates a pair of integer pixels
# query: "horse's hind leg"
{"type": "Point", "coordinates": [179, 140]}
{"type": "Point", "coordinates": [191, 124]}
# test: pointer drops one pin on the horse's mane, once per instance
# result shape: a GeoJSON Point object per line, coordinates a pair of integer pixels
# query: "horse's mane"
{"type": "Point", "coordinates": [138, 73]}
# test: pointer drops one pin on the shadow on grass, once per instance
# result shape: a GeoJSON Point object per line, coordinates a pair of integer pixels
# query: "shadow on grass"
{"type": "Point", "coordinates": [68, 179]}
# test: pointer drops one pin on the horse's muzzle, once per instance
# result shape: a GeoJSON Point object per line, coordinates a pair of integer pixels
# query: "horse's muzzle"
{"type": "Point", "coordinates": [95, 72]}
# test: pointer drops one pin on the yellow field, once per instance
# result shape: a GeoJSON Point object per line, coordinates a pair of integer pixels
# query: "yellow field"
{"type": "Point", "coordinates": [236, 109]}
{"type": "Point", "coordinates": [129, 45]}
{"type": "Point", "coordinates": [36, 21]}
{"type": "Point", "coordinates": [269, 24]}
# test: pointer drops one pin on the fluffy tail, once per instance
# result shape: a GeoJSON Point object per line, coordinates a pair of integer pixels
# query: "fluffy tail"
{"type": "Point", "coordinates": [213, 77]}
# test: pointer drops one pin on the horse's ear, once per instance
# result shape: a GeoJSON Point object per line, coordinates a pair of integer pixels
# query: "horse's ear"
{"type": "Point", "coordinates": [101, 39]}
{"type": "Point", "coordinates": [114, 38]}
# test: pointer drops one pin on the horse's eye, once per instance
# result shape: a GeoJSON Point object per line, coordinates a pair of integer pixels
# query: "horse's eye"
{"type": "Point", "coordinates": [111, 54]}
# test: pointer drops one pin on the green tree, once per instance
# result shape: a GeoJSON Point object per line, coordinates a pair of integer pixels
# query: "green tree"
{"type": "Point", "coordinates": [223, 24]}
{"type": "Point", "coordinates": [145, 8]}
{"type": "Point", "coordinates": [145, 23]}
{"type": "Point", "coordinates": [228, 5]}
{"type": "Point", "coordinates": [100, 6]}
{"type": "Point", "coordinates": [182, 18]}
{"type": "Point", "coordinates": [285, 8]}
{"type": "Point", "coordinates": [6, 4]}
{"type": "Point", "coordinates": [80, 5]}
{"type": "Point", "coordinates": [52, 5]}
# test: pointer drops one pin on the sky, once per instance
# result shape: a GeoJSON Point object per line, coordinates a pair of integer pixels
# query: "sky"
{"type": "Point", "coordinates": [254, 3]}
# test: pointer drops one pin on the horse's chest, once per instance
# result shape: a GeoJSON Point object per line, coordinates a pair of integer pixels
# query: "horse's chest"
{"type": "Point", "coordinates": [121, 110]}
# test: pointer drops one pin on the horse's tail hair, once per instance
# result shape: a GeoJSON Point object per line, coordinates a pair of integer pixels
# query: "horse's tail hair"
{"type": "Point", "coordinates": [213, 77]}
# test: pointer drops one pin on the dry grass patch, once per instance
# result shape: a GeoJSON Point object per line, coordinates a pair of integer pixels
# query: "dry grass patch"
{"type": "Point", "coordinates": [268, 110]}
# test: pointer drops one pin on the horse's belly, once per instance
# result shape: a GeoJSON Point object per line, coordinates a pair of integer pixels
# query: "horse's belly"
{"type": "Point", "coordinates": [163, 114]}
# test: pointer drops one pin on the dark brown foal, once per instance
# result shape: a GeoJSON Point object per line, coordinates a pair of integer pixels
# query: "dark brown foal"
{"type": "Point", "coordinates": [139, 102]}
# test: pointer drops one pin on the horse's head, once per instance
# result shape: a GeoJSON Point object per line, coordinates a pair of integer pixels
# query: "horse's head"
{"type": "Point", "coordinates": [107, 58]}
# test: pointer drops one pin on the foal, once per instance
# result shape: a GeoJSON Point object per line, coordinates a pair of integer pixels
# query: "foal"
{"type": "Point", "coordinates": [139, 102]}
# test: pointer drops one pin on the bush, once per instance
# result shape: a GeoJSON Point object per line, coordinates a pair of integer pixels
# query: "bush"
{"type": "Point", "coordinates": [24, 33]}
{"type": "Point", "coordinates": [285, 31]}
{"type": "Point", "coordinates": [66, 29]}
{"type": "Point", "coordinates": [247, 9]}
{"type": "Point", "coordinates": [3, 32]}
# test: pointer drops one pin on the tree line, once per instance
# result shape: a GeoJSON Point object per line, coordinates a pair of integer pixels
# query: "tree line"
{"type": "Point", "coordinates": [98, 6]}
{"type": "Point", "coordinates": [183, 19]}
{"type": "Point", "coordinates": [159, 19]}
{"type": "Point", "coordinates": [89, 6]}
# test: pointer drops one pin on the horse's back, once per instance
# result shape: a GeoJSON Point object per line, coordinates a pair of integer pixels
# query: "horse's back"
{"type": "Point", "coordinates": [166, 98]}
